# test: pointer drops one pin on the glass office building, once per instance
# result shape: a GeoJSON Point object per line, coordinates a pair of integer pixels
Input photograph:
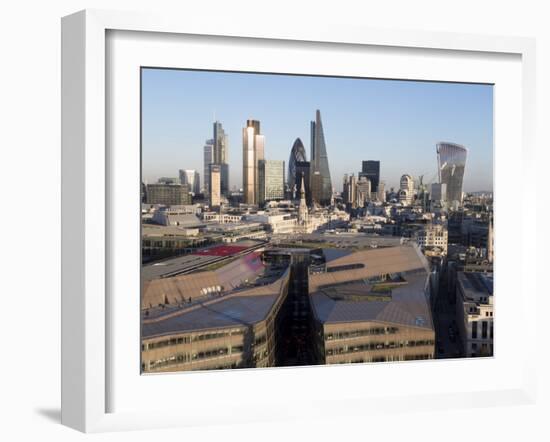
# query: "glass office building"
{"type": "Point", "coordinates": [451, 161]}
{"type": "Point", "coordinates": [297, 154]}
{"type": "Point", "coordinates": [321, 184]}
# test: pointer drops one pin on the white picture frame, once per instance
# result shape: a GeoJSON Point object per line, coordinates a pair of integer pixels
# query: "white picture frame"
{"type": "Point", "coordinates": [87, 213]}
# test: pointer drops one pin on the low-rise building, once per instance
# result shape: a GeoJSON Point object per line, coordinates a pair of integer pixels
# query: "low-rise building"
{"type": "Point", "coordinates": [474, 304]}
{"type": "Point", "coordinates": [373, 306]}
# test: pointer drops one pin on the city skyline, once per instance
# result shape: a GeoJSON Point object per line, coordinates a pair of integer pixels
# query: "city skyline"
{"type": "Point", "coordinates": [170, 126]}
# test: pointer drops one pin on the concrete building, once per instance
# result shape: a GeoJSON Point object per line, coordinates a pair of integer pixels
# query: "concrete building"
{"type": "Point", "coordinates": [364, 191]}
{"type": "Point", "coordinates": [372, 306]}
{"type": "Point", "coordinates": [433, 236]}
{"type": "Point", "coordinates": [474, 304]}
{"type": "Point", "coordinates": [175, 215]}
{"type": "Point", "coordinates": [406, 189]}
{"type": "Point", "coordinates": [215, 185]}
{"type": "Point", "coordinates": [272, 181]}
{"type": "Point", "coordinates": [168, 194]}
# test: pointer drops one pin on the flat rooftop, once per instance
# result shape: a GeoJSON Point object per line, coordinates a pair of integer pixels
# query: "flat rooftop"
{"type": "Point", "coordinates": [476, 284]}
{"type": "Point", "coordinates": [200, 258]}
{"type": "Point", "coordinates": [348, 291]}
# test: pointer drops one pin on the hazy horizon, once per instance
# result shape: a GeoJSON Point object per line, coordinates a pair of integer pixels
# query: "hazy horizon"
{"type": "Point", "coordinates": [397, 122]}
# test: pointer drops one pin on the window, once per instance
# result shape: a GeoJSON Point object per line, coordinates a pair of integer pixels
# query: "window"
{"type": "Point", "coordinates": [491, 331]}
{"type": "Point", "coordinates": [474, 330]}
{"type": "Point", "coordinates": [484, 329]}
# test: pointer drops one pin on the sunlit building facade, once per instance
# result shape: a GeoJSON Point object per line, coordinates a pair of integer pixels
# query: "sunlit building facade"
{"type": "Point", "coordinates": [451, 161]}
{"type": "Point", "coordinates": [321, 184]}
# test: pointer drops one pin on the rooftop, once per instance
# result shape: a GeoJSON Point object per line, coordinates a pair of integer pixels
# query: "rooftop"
{"type": "Point", "coordinates": [243, 307]}
{"type": "Point", "coordinates": [352, 291]}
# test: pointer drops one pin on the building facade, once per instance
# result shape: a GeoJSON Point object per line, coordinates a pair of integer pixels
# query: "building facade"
{"type": "Point", "coordinates": [253, 153]}
{"type": "Point", "coordinates": [297, 155]}
{"type": "Point", "coordinates": [272, 181]}
{"type": "Point", "coordinates": [371, 170]}
{"type": "Point", "coordinates": [168, 194]}
{"type": "Point", "coordinates": [321, 183]}
{"type": "Point", "coordinates": [474, 304]}
{"type": "Point", "coordinates": [208, 159]}
{"type": "Point", "coordinates": [215, 185]}
{"type": "Point", "coordinates": [451, 161]}
{"type": "Point", "coordinates": [406, 189]}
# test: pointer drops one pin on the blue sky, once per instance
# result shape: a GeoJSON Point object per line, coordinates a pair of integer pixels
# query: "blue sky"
{"type": "Point", "coordinates": [396, 122]}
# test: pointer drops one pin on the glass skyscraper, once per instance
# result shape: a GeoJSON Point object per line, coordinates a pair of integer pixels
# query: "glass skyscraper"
{"type": "Point", "coordinates": [321, 184]}
{"type": "Point", "coordinates": [297, 154]}
{"type": "Point", "coordinates": [371, 170]}
{"type": "Point", "coordinates": [451, 161]}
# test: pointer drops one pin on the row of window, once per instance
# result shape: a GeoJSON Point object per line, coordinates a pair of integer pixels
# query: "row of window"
{"type": "Point", "coordinates": [188, 339]}
{"type": "Point", "coordinates": [377, 346]}
{"type": "Point", "coordinates": [388, 359]}
{"type": "Point", "coordinates": [484, 327]}
{"type": "Point", "coordinates": [356, 333]}
{"type": "Point", "coordinates": [181, 358]}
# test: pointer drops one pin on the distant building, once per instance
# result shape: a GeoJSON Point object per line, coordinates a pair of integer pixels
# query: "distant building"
{"type": "Point", "coordinates": [303, 169]}
{"type": "Point", "coordinates": [272, 180]}
{"type": "Point", "coordinates": [208, 159]}
{"type": "Point", "coordinates": [192, 179]}
{"type": "Point", "coordinates": [451, 161]}
{"type": "Point", "coordinates": [321, 184]}
{"type": "Point", "coordinates": [406, 189]}
{"type": "Point", "coordinates": [215, 185]}
{"type": "Point", "coordinates": [169, 180]}
{"type": "Point", "coordinates": [433, 236]}
{"type": "Point", "coordinates": [168, 194]}
{"type": "Point", "coordinates": [220, 156]}
{"type": "Point", "coordinates": [176, 215]}
{"type": "Point", "coordinates": [381, 194]}
{"type": "Point", "coordinates": [253, 152]}
{"type": "Point", "coordinates": [297, 155]}
{"type": "Point", "coordinates": [364, 191]}
{"type": "Point", "coordinates": [371, 170]}
{"type": "Point", "coordinates": [474, 304]}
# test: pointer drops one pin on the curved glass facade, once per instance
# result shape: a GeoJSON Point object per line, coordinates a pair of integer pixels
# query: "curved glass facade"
{"type": "Point", "coordinates": [451, 161]}
{"type": "Point", "coordinates": [297, 154]}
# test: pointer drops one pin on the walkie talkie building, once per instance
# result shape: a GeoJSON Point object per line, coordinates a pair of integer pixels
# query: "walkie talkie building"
{"type": "Point", "coordinates": [451, 161]}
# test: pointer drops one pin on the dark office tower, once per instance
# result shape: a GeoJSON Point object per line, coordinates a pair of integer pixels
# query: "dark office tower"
{"type": "Point", "coordinates": [371, 170]}
{"type": "Point", "coordinates": [320, 182]}
{"type": "Point", "coordinates": [303, 170]}
{"type": "Point", "coordinates": [297, 153]}
{"type": "Point", "coordinates": [220, 155]}
{"type": "Point", "coordinates": [451, 160]}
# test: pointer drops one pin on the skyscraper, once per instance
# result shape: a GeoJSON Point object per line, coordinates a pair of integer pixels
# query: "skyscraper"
{"type": "Point", "coordinates": [208, 159]}
{"type": "Point", "coordinates": [220, 155]}
{"type": "Point", "coordinates": [371, 170]}
{"type": "Point", "coordinates": [272, 180]}
{"type": "Point", "coordinates": [297, 154]}
{"type": "Point", "coordinates": [215, 185]}
{"type": "Point", "coordinates": [321, 184]}
{"type": "Point", "coordinates": [451, 161]}
{"type": "Point", "coordinates": [253, 152]}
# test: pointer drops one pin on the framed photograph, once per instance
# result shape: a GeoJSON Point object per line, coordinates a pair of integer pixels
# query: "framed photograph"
{"type": "Point", "coordinates": [248, 213]}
